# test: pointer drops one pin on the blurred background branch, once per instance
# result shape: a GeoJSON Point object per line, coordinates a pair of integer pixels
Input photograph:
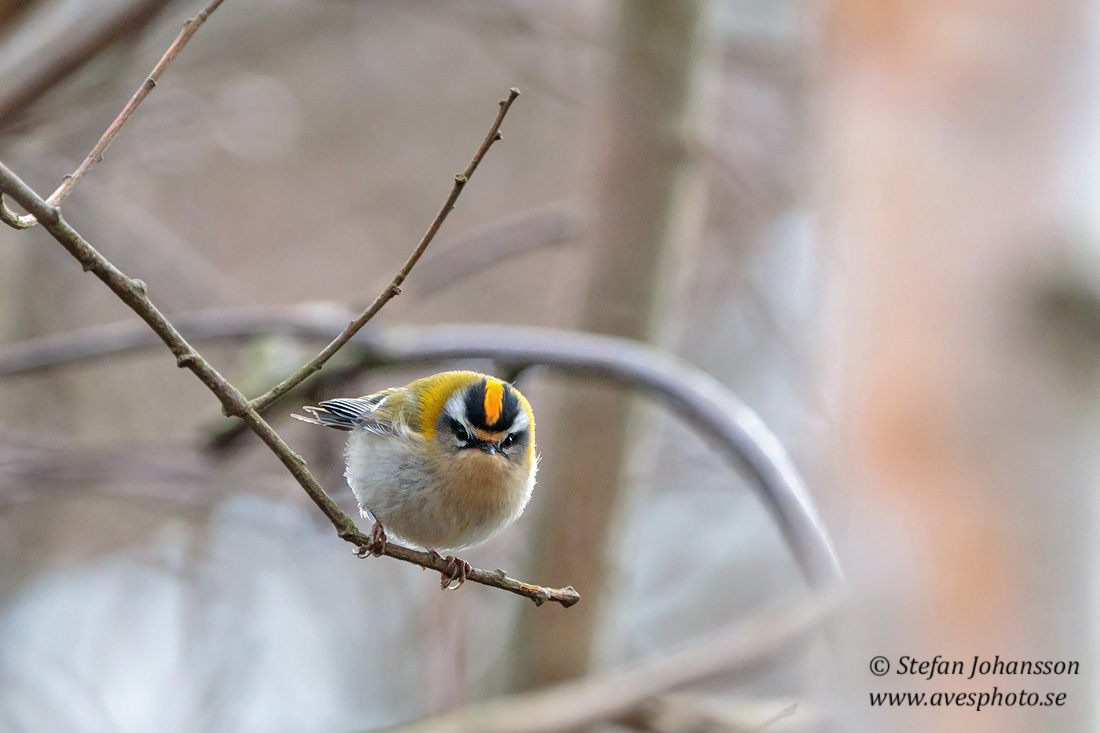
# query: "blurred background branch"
{"type": "Point", "coordinates": [46, 41]}
{"type": "Point", "coordinates": [96, 155]}
{"type": "Point", "coordinates": [453, 263]}
{"type": "Point", "coordinates": [617, 694]}
{"type": "Point", "coordinates": [700, 400]}
{"type": "Point", "coordinates": [33, 465]}
{"type": "Point", "coordinates": [685, 713]}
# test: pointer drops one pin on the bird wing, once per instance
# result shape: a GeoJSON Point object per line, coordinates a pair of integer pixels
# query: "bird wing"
{"type": "Point", "coordinates": [373, 413]}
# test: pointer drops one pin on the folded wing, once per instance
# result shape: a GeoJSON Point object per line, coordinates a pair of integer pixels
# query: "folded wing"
{"type": "Point", "coordinates": [350, 413]}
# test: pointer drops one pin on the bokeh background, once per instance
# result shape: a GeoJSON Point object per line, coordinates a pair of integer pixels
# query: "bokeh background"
{"type": "Point", "coordinates": [874, 220]}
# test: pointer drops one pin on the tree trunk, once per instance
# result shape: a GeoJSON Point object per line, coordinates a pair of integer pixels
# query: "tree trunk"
{"type": "Point", "coordinates": [637, 204]}
{"type": "Point", "coordinates": [969, 423]}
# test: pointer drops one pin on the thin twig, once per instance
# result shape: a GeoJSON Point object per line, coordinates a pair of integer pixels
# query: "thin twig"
{"type": "Point", "coordinates": [394, 288]}
{"type": "Point", "coordinates": [96, 154]}
{"type": "Point", "coordinates": [133, 293]}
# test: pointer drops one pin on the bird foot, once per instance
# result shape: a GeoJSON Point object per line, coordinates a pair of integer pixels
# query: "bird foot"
{"type": "Point", "coordinates": [377, 544]}
{"type": "Point", "coordinates": [456, 573]}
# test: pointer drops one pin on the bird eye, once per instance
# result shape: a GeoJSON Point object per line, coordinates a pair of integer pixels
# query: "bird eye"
{"type": "Point", "coordinates": [509, 440]}
{"type": "Point", "coordinates": [461, 434]}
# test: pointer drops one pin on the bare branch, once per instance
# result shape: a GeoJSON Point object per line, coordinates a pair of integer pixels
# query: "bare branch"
{"type": "Point", "coordinates": [699, 399]}
{"type": "Point", "coordinates": [739, 647]}
{"type": "Point", "coordinates": [394, 287]}
{"type": "Point", "coordinates": [133, 293]}
{"type": "Point", "coordinates": [96, 154]}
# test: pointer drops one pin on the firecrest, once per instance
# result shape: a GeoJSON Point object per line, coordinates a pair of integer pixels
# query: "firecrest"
{"type": "Point", "coordinates": [444, 462]}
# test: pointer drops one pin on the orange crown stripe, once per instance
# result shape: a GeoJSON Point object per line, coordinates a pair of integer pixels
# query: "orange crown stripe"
{"type": "Point", "coordinates": [494, 401]}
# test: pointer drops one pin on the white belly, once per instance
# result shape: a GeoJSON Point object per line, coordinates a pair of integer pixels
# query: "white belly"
{"type": "Point", "coordinates": [474, 499]}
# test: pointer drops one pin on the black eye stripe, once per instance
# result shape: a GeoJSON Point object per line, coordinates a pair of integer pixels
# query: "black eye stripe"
{"type": "Point", "coordinates": [459, 430]}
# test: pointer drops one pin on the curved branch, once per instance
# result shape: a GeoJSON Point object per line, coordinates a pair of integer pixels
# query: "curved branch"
{"type": "Point", "coordinates": [13, 220]}
{"type": "Point", "coordinates": [698, 398]}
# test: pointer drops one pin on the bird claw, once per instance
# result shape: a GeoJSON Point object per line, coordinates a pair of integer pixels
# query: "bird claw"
{"type": "Point", "coordinates": [377, 544]}
{"type": "Point", "coordinates": [457, 570]}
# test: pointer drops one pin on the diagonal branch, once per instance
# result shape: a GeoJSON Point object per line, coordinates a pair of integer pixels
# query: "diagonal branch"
{"type": "Point", "coordinates": [133, 293]}
{"type": "Point", "coordinates": [96, 154]}
{"type": "Point", "coordinates": [394, 288]}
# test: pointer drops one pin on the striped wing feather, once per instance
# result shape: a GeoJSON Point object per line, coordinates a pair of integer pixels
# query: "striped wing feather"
{"type": "Point", "coordinates": [349, 413]}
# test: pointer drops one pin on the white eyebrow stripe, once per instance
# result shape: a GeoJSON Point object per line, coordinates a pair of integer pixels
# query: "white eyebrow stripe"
{"type": "Point", "coordinates": [456, 407]}
{"type": "Point", "coordinates": [521, 422]}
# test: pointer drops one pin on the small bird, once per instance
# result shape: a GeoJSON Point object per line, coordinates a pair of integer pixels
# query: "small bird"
{"type": "Point", "coordinates": [444, 462]}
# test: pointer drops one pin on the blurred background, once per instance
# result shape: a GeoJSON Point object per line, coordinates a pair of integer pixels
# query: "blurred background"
{"type": "Point", "coordinates": [874, 221]}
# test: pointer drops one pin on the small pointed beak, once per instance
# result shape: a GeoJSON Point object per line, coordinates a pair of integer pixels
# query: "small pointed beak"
{"type": "Point", "coordinates": [489, 448]}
